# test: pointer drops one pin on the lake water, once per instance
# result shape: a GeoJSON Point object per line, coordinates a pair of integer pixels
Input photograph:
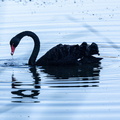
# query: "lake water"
{"type": "Point", "coordinates": [89, 92]}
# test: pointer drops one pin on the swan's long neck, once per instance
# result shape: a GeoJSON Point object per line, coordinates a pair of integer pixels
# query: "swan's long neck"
{"type": "Point", "coordinates": [36, 48]}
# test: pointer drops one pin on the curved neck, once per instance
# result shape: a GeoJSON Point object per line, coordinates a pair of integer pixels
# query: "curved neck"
{"type": "Point", "coordinates": [36, 48]}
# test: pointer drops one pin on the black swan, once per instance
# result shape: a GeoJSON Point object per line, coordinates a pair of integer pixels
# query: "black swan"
{"type": "Point", "coordinates": [60, 54]}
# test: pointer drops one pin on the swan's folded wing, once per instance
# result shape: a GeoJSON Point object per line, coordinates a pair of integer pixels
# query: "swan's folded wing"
{"type": "Point", "coordinates": [60, 55]}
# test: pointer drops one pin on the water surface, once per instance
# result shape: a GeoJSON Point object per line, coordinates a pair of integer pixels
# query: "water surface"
{"type": "Point", "coordinates": [86, 92]}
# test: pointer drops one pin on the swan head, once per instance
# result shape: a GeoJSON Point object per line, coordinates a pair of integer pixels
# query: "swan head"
{"type": "Point", "coordinates": [13, 44]}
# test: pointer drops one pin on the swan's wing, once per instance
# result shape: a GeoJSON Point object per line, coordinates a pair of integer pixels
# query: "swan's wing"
{"type": "Point", "coordinates": [60, 54]}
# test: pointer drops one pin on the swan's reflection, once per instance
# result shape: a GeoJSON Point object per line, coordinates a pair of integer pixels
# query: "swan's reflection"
{"type": "Point", "coordinates": [86, 75]}
{"type": "Point", "coordinates": [23, 93]}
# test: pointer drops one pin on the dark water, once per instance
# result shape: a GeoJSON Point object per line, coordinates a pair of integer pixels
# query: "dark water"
{"type": "Point", "coordinates": [86, 92]}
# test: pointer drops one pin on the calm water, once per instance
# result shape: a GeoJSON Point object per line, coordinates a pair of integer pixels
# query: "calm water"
{"type": "Point", "coordinates": [71, 93]}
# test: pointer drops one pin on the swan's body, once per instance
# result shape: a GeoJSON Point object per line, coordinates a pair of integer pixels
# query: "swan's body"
{"type": "Point", "coordinates": [58, 55]}
{"type": "Point", "coordinates": [62, 55]}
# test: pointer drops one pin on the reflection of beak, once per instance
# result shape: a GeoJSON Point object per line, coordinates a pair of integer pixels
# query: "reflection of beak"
{"type": "Point", "coordinates": [12, 49]}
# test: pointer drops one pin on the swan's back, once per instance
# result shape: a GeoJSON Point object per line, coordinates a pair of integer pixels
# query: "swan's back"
{"type": "Point", "coordinates": [62, 55]}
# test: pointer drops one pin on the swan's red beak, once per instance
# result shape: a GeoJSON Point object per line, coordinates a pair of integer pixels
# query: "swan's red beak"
{"type": "Point", "coordinates": [12, 49]}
